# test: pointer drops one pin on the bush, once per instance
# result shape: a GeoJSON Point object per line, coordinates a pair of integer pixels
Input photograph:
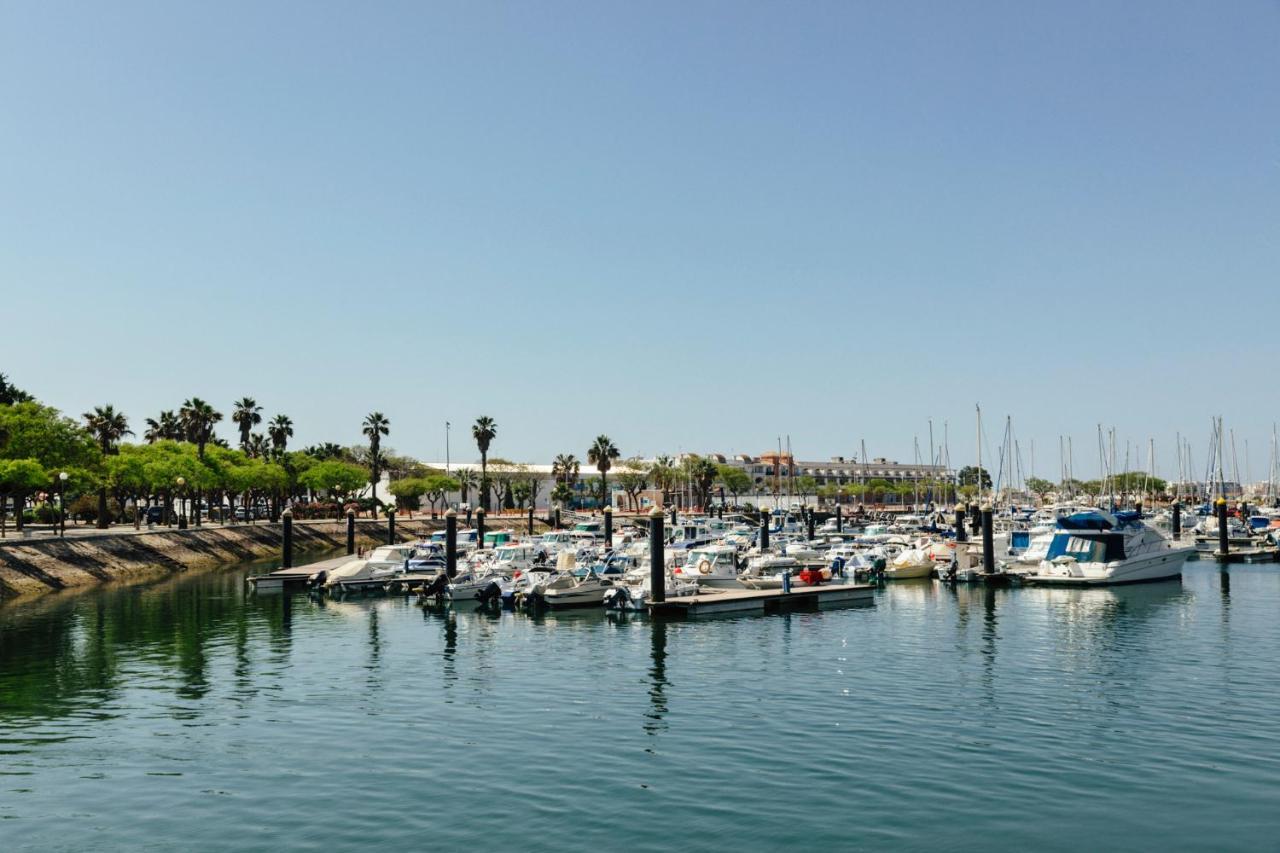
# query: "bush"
{"type": "Point", "coordinates": [41, 514]}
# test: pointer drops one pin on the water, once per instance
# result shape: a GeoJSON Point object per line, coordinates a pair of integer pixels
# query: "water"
{"type": "Point", "coordinates": [189, 715]}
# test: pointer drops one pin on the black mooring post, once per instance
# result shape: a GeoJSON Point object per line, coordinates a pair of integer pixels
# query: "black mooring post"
{"type": "Point", "coordinates": [530, 518]}
{"type": "Point", "coordinates": [287, 557]}
{"type": "Point", "coordinates": [351, 531]}
{"type": "Point", "coordinates": [764, 531]}
{"type": "Point", "coordinates": [608, 527]}
{"type": "Point", "coordinates": [1177, 521]}
{"type": "Point", "coordinates": [557, 518]}
{"type": "Point", "coordinates": [480, 528]}
{"type": "Point", "coordinates": [977, 519]}
{"type": "Point", "coordinates": [391, 527]}
{"type": "Point", "coordinates": [988, 547]}
{"type": "Point", "coordinates": [1222, 527]}
{"type": "Point", "coordinates": [657, 565]}
{"type": "Point", "coordinates": [960, 531]}
{"type": "Point", "coordinates": [451, 543]}
{"type": "Point", "coordinates": [675, 516]}
{"type": "Point", "coordinates": [810, 519]}
{"type": "Point", "coordinates": [839, 519]}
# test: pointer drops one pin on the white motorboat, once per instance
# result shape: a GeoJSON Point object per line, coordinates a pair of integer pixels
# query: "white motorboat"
{"type": "Point", "coordinates": [710, 565]}
{"type": "Point", "coordinates": [911, 563]}
{"type": "Point", "coordinates": [1097, 548]}
{"type": "Point", "coordinates": [382, 562]}
{"type": "Point", "coordinates": [579, 588]}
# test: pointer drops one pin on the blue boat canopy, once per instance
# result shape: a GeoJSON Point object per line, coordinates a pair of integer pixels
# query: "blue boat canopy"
{"type": "Point", "coordinates": [1086, 521]}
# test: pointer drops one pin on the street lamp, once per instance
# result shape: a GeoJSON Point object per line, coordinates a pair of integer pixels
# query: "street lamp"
{"type": "Point", "coordinates": [338, 500]}
{"type": "Point", "coordinates": [62, 503]}
{"type": "Point", "coordinates": [182, 503]}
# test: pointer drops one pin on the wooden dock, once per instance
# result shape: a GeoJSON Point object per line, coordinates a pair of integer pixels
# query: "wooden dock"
{"type": "Point", "coordinates": [724, 601]}
{"type": "Point", "coordinates": [294, 577]}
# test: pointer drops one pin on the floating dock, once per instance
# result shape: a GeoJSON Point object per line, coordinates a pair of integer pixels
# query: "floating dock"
{"type": "Point", "coordinates": [724, 601]}
{"type": "Point", "coordinates": [294, 577]}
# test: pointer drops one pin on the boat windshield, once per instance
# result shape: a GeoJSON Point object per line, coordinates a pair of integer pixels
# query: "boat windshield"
{"type": "Point", "coordinates": [1087, 548]}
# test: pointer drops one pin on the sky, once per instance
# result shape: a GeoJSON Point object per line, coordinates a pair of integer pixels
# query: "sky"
{"type": "Point", "coordinates": [691, 226]}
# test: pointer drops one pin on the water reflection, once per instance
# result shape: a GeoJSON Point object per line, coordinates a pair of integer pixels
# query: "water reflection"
{"type": "Point", "coordinates": [655, 722]}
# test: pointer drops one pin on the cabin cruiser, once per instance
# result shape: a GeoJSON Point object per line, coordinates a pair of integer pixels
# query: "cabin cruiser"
{"type": "Point", "coordinates": [710, 565]}
{"type": "Point", "coordinates": [687, 535]}
{"type": "Point", "coordinates": [1095, 548]}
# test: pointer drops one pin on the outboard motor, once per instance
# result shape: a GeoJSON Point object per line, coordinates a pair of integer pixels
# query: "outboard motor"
{"type": "Point", "coordinates": [490, 596]}
{"type": "Point", "coordinates": [437, 589]}
{"type": "Point", "coordinates": [318, 579]}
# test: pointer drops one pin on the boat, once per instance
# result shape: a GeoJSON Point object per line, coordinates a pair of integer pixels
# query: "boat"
{"type": "Point", "coordinates": [373, 570]}
{"type": "Point", "coordinates": [710, 565]}
{"type": "Point", "coordinates": [1097, 548]}
{"type": "Point", "coordinates": [910, 563]}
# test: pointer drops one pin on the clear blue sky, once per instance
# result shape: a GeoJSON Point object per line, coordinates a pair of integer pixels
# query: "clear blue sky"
{"type": "Point", "coordinates": [686, 225]}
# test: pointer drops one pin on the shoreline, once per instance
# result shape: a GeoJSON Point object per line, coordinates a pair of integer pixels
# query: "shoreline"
{"type": "Point", "coordinates": [31, 568]}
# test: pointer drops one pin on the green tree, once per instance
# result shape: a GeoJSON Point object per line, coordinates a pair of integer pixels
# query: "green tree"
{"type": "Point", "coordinates": [1039, 487]}
{"type": "Point", "coordinates": [735, 481]}
{"type": "Point", "coordinates": [10, 394]}
{"type": "Point", "coordinates": [701, 473]}
{"type": "Point", "coordinates": [467, 481]}
{"type": "Point", "coordinates": [336, 478]}
{"type": "Point", "coordinates": [806, 485]}
{"type": "Point", "coordinates": [972, 476]}
{"type": "Point", "coordinates": [40, 433]}
{"type": "Point", "coordinates": [247, 414]}
{"type": "Point", "coordinates": [408, 492]}
{"type": "Point", "coordinates": [19, 477]}
{"type": "Point", "coordinates": [438, 487]}
{"type": "Point", "coordinates": [633, 478]}
{"type": "Point", "coordinates": [108, 426]}
{"type": "Point", "coordinates": [601, 454]}
{"type": "Point", "coordinates": [484, 430]}
{"type": "Point", "coordinates": [167, 426]}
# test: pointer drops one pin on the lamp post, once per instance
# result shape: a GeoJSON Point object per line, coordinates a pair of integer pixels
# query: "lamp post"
{"type": "Point", "coordinates": [182, 503]}
{"type": "Point", "coordinates": [338, 500]}
{"type": "Point", "coordinates": [62, 504]}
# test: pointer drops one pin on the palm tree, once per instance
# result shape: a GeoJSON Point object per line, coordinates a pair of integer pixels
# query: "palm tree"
{"type": "Point", "coordinates": [258, 447]}
{"type": "Point", "coordinates": [281, 430]}
{"type": "Point", "coordinates": [167, 427]}
{"type": "Point", "coordinates": [108, 426]}
{"type": "Point", "coordinates": [376, 426]}
{"type": "Point", "coordinates": [565, 468]}
{"type": "Point", "coordinates": [601, 454]}
{"type": "Point", "coordinates": [483, 431]}
{"type": "Point", "coordinates": [467, 480]}
{"type": "Point", "coordinates": [247, 415]}
{"type": "Point", "coordinates": [662, 472]}
{"type": "Point", "coordinates": [198, 418]}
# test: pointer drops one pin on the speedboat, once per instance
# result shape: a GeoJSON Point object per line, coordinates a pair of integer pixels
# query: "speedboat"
{"type": "Point", "coordinates": [579, 588]}
{"type": "Point", "coordinates": [1095, 548]}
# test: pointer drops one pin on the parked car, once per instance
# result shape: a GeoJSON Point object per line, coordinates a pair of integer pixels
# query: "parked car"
{"type": "Point", "coordinates": [155, 515]}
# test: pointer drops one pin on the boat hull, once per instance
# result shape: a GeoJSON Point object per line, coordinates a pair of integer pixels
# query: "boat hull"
{"type": "Point", "coordinates": [1146, 569]}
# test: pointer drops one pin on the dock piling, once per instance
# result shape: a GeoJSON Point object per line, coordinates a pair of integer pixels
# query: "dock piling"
{"type": "Point", "coordinates": [1221, 508]}
{"type": "Point", "coordinates": [480, 528]}
{"type": "Point", "coordinates": [557, 516]}
{"type": "Point", "coordinates": [977, 519]}
{"type": "Point", "coordinates": [988, 547]}
{"type": "Point", "coordinates": [451, 543]}
{"type": "Point", "coordinates": [608, 528]}
{"type": "Point", "coordinates": [1177, 521]}
{"type": "Point", "coordinates": [530, 517]}
{"type": "Point", "coordinates": [764, 531]}
{"type": "Point", "coordinates": [809, 518]}
{"type": "Point", "coordinates": [391, 527]}
{"type": "Point", "coordinates": [839, 520]}
{"type": "Point", "coordinates": [960, 532]}
{"type": "Point", "coordinates": [657, 565]}
{"type": "Point", "coordinates": [287, 557]}
{"type": "Point", "coordinates": [675, 516]}
{"type": "Point", "coordinates": [351, 532]}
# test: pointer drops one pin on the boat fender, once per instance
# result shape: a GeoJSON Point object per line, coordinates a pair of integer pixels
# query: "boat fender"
{"type": "Point", "coordinates": [704, 567]}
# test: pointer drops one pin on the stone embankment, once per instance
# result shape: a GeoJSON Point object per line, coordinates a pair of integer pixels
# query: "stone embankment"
{"type": "Point", "coordinates": [35, 566]}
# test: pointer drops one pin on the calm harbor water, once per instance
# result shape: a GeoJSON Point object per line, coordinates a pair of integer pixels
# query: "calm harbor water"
{"type": "Point", "coordinates": [188, 714]}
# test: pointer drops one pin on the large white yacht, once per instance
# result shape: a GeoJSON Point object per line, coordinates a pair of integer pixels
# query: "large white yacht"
{"type": "Point", "coordinates": [1095, 548]}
